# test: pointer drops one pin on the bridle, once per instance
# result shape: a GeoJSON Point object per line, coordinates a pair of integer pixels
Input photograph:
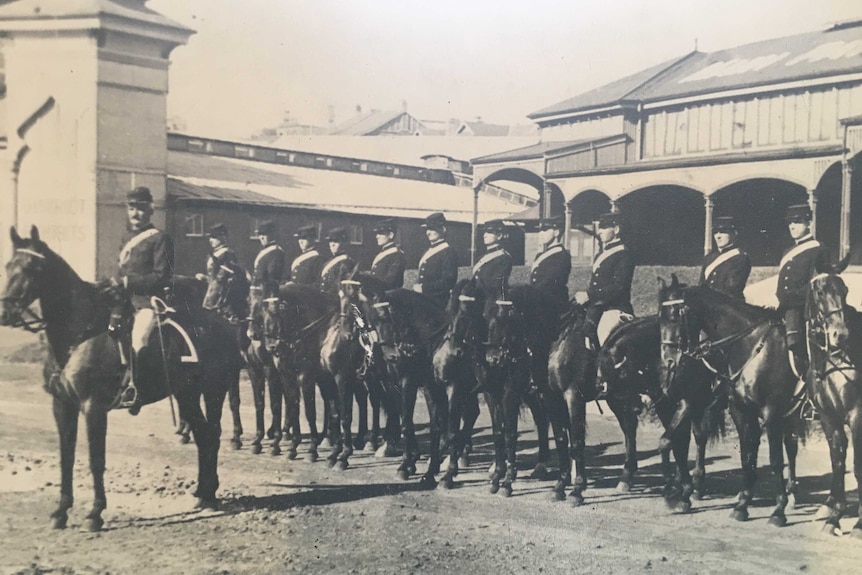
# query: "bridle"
{"type": "Point", "coordinates": [510, 352]}
{"type": "Point", "coordinates": [469, 340]}
{"type": "Point", "coordinates": [283, 344]}
{"type": "Point", "coordinates": [835, 359]}
{"type": "Point", "coordinates": [22, 316]}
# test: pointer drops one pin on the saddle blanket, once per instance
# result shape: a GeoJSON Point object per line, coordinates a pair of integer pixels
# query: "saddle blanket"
{"type": "Point", "coordinates": [146, 321]}
{"type": "Point", "coordinates": [609, 322]}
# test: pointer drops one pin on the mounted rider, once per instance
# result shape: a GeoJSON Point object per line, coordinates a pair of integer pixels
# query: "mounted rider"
{"type": "Point", "coordinates": [799, 264]}
{"type": "Point", "coordinates": [268, 268]}
{"type": "Point", "coordinates": [438, 267]}
{"type": "Point", "coordinates": [220, 254]}
{"type": "Point", "coordinates": [145, 269]}
{"type": "Point", "coordinates": [610, 288]}
{"type": "Point", "coordinates": [491, 273]}
{"type": "Point", "coordinates": [553, 264]}
{"type": "Point", "coordinates": [340, 266]}
{"type": "Point", "coordinates": [305, 269]}
{"type": "Point", "coordinates": [726, 268]}
{"type": "Point", "coordinates": [389, 263]}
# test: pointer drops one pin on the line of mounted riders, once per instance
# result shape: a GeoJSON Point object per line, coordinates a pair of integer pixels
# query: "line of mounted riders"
{"type": "Point", "coordinates": [125, 342]}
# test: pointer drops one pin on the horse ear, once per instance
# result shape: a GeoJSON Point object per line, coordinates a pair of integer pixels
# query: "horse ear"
{"type": "Point", "coordinates": [13, 233]}
{"type": "Point", "coordinates": [34, 233]}
{"type": "Point", "coordinates": [661, 283]}
{"type": "Point", "coordinates": [674, 281]}
{"type": "Point", "coordinates": [842, 265]}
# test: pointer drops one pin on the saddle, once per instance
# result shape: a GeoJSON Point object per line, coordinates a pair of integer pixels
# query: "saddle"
{"type": "Point", "coordinates": [611, 319]}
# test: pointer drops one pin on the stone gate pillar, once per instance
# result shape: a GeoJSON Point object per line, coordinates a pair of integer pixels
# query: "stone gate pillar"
{"type": "Point", "coordinates": [86, 110]}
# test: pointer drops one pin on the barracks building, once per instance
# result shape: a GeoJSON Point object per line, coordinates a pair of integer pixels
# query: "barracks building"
{"type": "Point", "coordinates": [743, 132]}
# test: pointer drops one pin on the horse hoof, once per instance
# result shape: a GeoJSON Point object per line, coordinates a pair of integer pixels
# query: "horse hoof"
{"type": "Point", "coordinates": [506, 490]}
{"type": "Point", "coordinates": [93, 524]}
{"type": "Point", "coordinates": [59, 521]}
{"type": "Point", "coordinates": [275, 450]}
{"type": "Point", "coordinates": [236, 444]}
{"type": "Point", "coordinates": [577, 500]}
{"type": "Point", "coordinates": [331, 462]}
{"type": "Point", "coordinates": [823, 512]}
{"type": "Point", "coordinates": [683, 506]}
{"type": "Point", "coordinates": [185, 439]}
{"type": "Point", "coordinates": [427, 482]}
{"type": "Point", "coordinates": [558, 495]}
{"type": "Point", "coordinates": [462, 462]}
{"type": "Point", "coordinates": [291, 454]}
{"type": "Point", "coordinates": [256, 448]}
{"type": "Point", "coordinates": [494, 488]}
{"type": "Point", "coordinates": [341, 465]}
{"type": "Point", "coordinates": [835, 531]}
{"type": "Point", "coordinates": [313, 456]}
{"type": "Point", "coordinates": [448, 482]}
{"type": "Point", "coordinates": [540, 472]}
{"type": "Point", "coordinates": [624, 487]}
{"type": "Point", "coordinates": [697, 495]}
{"type": "Point", "coordinates": [739, 514]}
{"type": "Point", "coordinates": [205, 503]}
{"type": "Point", "coordinates": [403, 474]}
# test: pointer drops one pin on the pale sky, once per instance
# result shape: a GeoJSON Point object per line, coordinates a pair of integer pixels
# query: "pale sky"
{"type": "Point", "coordinates": [253, 59]}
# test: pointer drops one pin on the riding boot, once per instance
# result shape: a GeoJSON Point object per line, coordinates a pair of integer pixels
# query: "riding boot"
{"type": "Point", "coordinates": [800, 359]}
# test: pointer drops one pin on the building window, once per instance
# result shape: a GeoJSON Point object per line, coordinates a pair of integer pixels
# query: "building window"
{"type": "Point", "coordinates": [356, 236]}
{"type": "Point", "coordinates": [363, 167]}
{"type": "Point", "coordinates": [196, 146]}
{"type": "Point", "coordinates": [396, 172]}
{"type": "Point", "coordinates": [194, 226]}
{"type": "Point", "coordinates": [243, 152]}
{"type": "Point", "coordinates": [328, 162]}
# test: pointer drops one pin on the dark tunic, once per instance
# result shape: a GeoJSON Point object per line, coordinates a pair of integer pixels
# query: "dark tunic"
{"type": "Point", "coordinates": [388, 266]}
{"type": "Point", "coordinates": [438, 272]}
{"type": "Point", "coordinates": [146, 263]}
{"type": "Point", "coordinates": [268, 268]}
{"type": "Point", "coordinates": [492, 272]}
{"type": "Point", "coordinates": [726, 271]}
{"type": "Point", "coordinates": [550, 273]}
{"type": "Point", "coordinates": [305, 269]}
{"type": "Point", "coordinates": [338, 267]}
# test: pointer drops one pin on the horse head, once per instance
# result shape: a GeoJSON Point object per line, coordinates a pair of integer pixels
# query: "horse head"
{"type": "Point", "coordinates": [227, 292]}
{"type": "Point", "coordinates": [825, 304]}
{"type": "Point", "coordinates": [277, 317]}
{"type": "Point", "coordinates": [466, 324]}
{"type": "Point", "coordinates": [26, 277]}
{"type": "Point", "coordinates": [507, 336]}
{"type": "Point", "coordinates": [678, 333]}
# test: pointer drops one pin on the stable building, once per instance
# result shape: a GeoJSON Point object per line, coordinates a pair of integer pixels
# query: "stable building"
{"type": "Point", "coordinates": [743, 132]}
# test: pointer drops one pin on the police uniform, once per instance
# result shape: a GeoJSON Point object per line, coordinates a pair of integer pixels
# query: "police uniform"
{"type": "Point", "coordinates": [269, 263]}
{"type": "Point", "coordinates": [338, 267]}
{"type": "Point", "coordinates": [726, 270]}
{"type": "Point", "coordinates": [389, 263]}
{"type": "Point", "coordinates": [491, 273]}
{"type": "Point", "coordinates": [798, 265]}
{"type": "Point", "coordinates": [611, 280]}
{"type": "Point", "coordinates": [305, 269]}
{"type": "Point", "coordinates": [222, 255]}
{"type": "Point", "coordinates": [551, 269]}
{"type": "Point", "coordinates": [146, 259]}
{"type": "Point", "coordinates": [438, 267]}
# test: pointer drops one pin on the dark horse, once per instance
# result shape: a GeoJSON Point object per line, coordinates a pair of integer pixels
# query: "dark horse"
{"type": "Point", "coordinates": [835, 344]}
{"type": "Point", "coordinates": [745, 346]}
{"type": "Point", "coordinates": [294, 324]}
{"type": "Point", "coordinates": [85, 371]}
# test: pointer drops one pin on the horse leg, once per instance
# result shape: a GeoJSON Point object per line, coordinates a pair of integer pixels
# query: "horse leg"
{"type": "Point", "coordinates": [190, 410]}
{"type": "Point", "coordinates": [97, 430]}
{"type": "Point", "coordinates": [292, 398]}
{"type": "Point", "coordinates": [392, 406]}
{"type": "Point", "coordinates": [276, 393]}
{"type": "Point", "coordinates": [375, 393]}
{"type": "Point", "coordinates": [698, 476]}
{"type": "Point", "coordinates": [454, 437]}
{"type": "Point", "coordinates": [470, 413]}
{"type": "Point", "coordinates": [628, 421]}
{"type": "Point", "coordinates": [233, 400]}
{"type": "Point", "coordinates": [836, 503]}
{"type": "Point", "coordinates": [343, 447]}
{"type": "Point", "coordinates": [258, 390]}
{"type": "Point", "coordinates": [305, 382]}
{"type": "Point", "coordinates": [775, 435]}
{"type": "Point", "coordinates": [854, 418]}
{"type": "Point", "coordinates": [495, 407]}
{"type": "Point", "coordinates": [559, 417]}
{"type": "Point", "coordinates": [511, 406]}
{"type": "Point", "coordinates": [66, 418]}
{"type": "Point", "coordinates": [677, 438]}
{"type": "Point", "coordinates": [791, 447]}
{"type": "Point", "coordinates": [435, 399]}
{"type": "Point", "coordinates": [748, 429]}
{"type": "Point", "coordinates": [214, 395]}
{"type": "Point", "coordinates": [578, 429]}
{"type": "Point", "coordinates": [540, 417]}
{"type": "Point", "coordinates": [408, 431]}
{"type": "Point", "coordinates": [360, 392]}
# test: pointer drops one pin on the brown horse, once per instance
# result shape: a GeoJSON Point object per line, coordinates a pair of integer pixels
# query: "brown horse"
{"type": "Point", "coordinates": [835, 344]}
{"type": "Point", "coordinates": [85, 369]}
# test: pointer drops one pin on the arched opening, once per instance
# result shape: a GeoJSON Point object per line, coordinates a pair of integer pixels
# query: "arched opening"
{"type": "Point", "coordinates": [828, 193]}
{"type": "Point", "coordinates": [663, 225]}
{"type": "Point", "coordinates": [758, 206]}
{"type": "Point", "coordinates": [585, 208]}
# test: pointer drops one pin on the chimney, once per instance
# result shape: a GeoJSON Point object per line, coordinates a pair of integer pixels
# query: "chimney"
{"type": "Point", "coordinates": [358, 108]}
{"type": "Point", "coordinates": [404, 106]}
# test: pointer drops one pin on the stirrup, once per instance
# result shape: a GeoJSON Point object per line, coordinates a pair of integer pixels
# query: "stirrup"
{"type": "Point", "coordinates": [601, 390]}
{"type": "Point", "coordinates": [808, 411]}
{"type": "Point", "coordinates": [128, 398]}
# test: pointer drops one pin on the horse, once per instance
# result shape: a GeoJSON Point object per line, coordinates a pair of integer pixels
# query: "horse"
{"type": "Point", "coordinates": [85, 370]}
{"type": "Point", "coordinates": [410, 327]}
{"type": "Point", "coordinates": [835, 349]}
{"type": "Point", "coordinates": [628, 363]}
{"type": "Point", "coordinates": [754, 368]}
{"type": "Point", "coordinates": [293, 325]}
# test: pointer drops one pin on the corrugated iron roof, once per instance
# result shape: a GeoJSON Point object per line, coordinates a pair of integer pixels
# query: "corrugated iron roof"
{"type": "Point", "coordinates": [536, 150]}
{"type": "Point", "coordinates": [229, 180]}
{"type": "Point", "coordinates": [818, 54]}
{"type": "Point", "coordinates": [365, 123]}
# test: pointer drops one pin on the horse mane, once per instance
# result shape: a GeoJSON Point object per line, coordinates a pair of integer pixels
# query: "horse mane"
{"type": "Point", "coordinates": [422, 309]}
{"type": "Point", "coordinates": [627, 329]}
{"type": "Point", "coordinates": [750, 311]}
{"type": "Point", "coordinates": [370, 283]}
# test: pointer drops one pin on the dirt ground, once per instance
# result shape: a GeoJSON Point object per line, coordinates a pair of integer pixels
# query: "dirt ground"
{"type": "Point", "coordinates": [281, 516]}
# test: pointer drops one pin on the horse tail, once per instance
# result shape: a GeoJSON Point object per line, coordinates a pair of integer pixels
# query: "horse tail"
{"type": "Point", "coordinates": [714, 422]}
